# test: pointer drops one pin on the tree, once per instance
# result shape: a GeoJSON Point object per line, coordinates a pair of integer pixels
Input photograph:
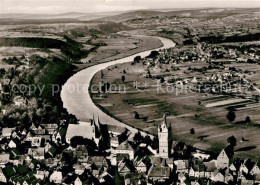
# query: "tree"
{"type": "Point", "coordinates": [231, 116]}
{"type": "Point", "coordinates": [232, 141]}
{"type": "Point", "coordinates": [153, 54]}
{"type": "Point", "coordinates": [137, 116]}
{"type": "Point", "coordinates": [137, 58]}
{"type": "Point", "coordinates": [162, 80]}
{"type": "Point", "coordinates": [155, 143]}
{"type": "Point", "coordinates": [123, 79]}
{"type": "Point", "coordinates": [77, 140]}
{"type": "Point", "coordinates": [138, 137]}
{"type": "Point", "coordinates": [248, 119]}
{"type": "Point", "coordinates": [192, 131]}
{"type": "Point", "coordinates": [147, 139]}
{"type": "Point", "coordinates": [105, 87]}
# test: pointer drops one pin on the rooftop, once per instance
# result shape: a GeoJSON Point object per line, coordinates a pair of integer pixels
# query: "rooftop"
{"type": "Point", "coordinates": [83, 129]}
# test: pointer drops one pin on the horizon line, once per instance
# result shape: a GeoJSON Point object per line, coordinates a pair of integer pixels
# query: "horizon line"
{"type": "Point", "coordinates": [133, 10]}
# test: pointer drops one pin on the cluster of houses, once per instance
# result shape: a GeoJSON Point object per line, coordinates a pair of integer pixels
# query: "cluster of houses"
{"type": "Point", "coordinates": [44, 154]}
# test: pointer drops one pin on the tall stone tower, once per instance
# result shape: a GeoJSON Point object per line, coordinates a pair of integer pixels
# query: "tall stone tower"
{"type": "Point", "coordinates": [163, 135]}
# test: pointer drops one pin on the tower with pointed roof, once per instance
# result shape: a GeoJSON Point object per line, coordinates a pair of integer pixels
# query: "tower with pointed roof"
{"type": "Point", "coordinates": [163, 135]}
{"type": "Point", "coordinates": [96, 128]}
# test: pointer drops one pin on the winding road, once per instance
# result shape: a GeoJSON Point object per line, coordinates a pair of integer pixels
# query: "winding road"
{"type": "Point", "coordinates": [76, 97]}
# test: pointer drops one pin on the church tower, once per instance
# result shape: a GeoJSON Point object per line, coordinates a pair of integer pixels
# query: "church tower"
{"type": "Point", "coordinates": [163, 135]}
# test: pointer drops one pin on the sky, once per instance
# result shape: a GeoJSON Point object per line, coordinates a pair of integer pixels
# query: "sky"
{"type": "Point", "coordinates": [93, 6]}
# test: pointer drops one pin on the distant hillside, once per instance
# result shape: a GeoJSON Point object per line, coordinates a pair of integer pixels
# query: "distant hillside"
{"type": "Point", "coordinates": [111, 27]}
{"type": "Point", "coordinates": [206, 13]}
{"type": "Point", "coordinates": [51, 18]}
{"type": "Point", "coordinates": [15, 21]}
{"type": "Point", "coordinates": [131, 15]}
{"type": "Point", "coordinates": [117, 17]}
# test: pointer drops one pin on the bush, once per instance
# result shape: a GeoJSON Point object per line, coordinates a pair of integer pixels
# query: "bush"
{"type": "Point", "coordinates": [231, 116]}
{"type": "Point", "coordinates": [192, 131]}
{"type": "Point", "coordinates": [137, 116]}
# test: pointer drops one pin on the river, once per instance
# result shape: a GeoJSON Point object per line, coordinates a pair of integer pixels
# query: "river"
{"type": "Point", "coordinates": [76, 97]}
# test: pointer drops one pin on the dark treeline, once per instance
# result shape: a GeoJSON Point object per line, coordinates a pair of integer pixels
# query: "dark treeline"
{"type": "Point", "coordinates": [32, 42]}
{"type": "Point", "coordinates": [233, 38]}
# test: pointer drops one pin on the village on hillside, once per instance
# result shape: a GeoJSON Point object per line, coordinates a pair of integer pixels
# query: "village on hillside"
{"type": "Point", "coordinates": [95, 153]}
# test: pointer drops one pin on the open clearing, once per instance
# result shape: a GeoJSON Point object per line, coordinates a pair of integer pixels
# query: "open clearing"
{"type": "Point", "coordinates": [211, 126]}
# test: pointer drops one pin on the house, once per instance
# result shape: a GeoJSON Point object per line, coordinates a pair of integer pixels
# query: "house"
{"type": "Point", "coordinates": [7, 132]}
{"type": "Point", "coordinates": [4, 158]}
{"type": "Point", "coordinates": [38, 153]}
{"type": "Point", "coordinates": [19, 101]}
{"type": "Point", "coordinates": [33, 127]}
{"type": "Point", "coordinates": [97, 162]}
{"type": "Point", "coordinates": [182, 166]}
{"type": "Point", "coordinates": [223, 160]}
{"type": "Point", "coordinates": [181, 178]}
{"type": "Point", "coordinates": [125, 149]}
{"type": "Point", "coordinates": [79, 169]}
{"type": "Point", "coordinates": [139, 164]}
{"type": "Point", "coordinates": [218, 176]}
{"type": "Point", "coordinates": [124, 167]}
{"type": "Point", "coordinates": [16, 135]}
{"type": "Point", "coordinates": [50, 128]}
{"type": "Point", "coordinates": [246, 178]}
{"type": "Point", "coordinates": [36, 141]}
{"type": "Point", "coordinates": [256, 168]}
{"type": "Point", "coordinates": [228, 176]}
{"type": "Point", "coordinates": [247, 166]}
{"type": "Point", "coordinates": [24, 132]}
{"type": "Point", "coordinates": [159, 173]}
{"type": "Point", "coordinates": [210, 167]}
{"type": "Point", "coordinates": [29, 136]}
{"type": "Point", "coordinates": [12, 144]}
{"type": "Point", "coordinates": [77, 181]}
{"type": "Point", "coordinates": [41, 174]}
{"type": "Point", "coordinates": [2, 176]}
{"type": "Point", "coordinates": [73, 180]}
{"type": "Point", "coordinates": [56, 177]}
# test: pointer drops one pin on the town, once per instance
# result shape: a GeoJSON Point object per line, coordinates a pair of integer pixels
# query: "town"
{"type": "Point", "coordinates": [45, 154]}
{"type": "Point", "coordinates": [187, 112]}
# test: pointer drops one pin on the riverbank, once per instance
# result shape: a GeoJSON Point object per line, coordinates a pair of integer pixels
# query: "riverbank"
{"type": "Point", "coordinates": [77, 100]}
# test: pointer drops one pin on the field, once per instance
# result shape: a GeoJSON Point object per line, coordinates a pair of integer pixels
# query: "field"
{"type": "Point", "coordinates": [118, 47]}
{"type": "Point", "coordinates": [211, 125]}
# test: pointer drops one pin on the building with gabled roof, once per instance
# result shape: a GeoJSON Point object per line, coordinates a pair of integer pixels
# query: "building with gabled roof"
{"type": "Point", "coordinates": [125, 148]}
{"type": "Point", "coordinates": [56, 177]}
{"type": "Point", "coordinates": [2, 176]}
{"type": "Point", "coordinates": [256, 168]}
{"type": "Point", "coordinates": [159, 173]}
{"type": "Point", "coordinates": [223, 160]}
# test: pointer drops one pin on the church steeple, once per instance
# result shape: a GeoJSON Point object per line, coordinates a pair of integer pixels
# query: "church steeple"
{"type": "Point", "coordinates": [164, 126]}
{"type": "Point", "coordinates": [163, 135]}
{"type": "Point", "coordinates": [164, 120]}
{"type": "Point", "coordinates": [96, 126]}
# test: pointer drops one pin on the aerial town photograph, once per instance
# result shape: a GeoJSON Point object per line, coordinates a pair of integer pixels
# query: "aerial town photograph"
{"type": "Point", "coordinates": [129, 92]}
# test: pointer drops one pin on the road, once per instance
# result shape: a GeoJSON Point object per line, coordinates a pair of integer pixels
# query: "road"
{"type": "Point", "coordinates": [76, 98]}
